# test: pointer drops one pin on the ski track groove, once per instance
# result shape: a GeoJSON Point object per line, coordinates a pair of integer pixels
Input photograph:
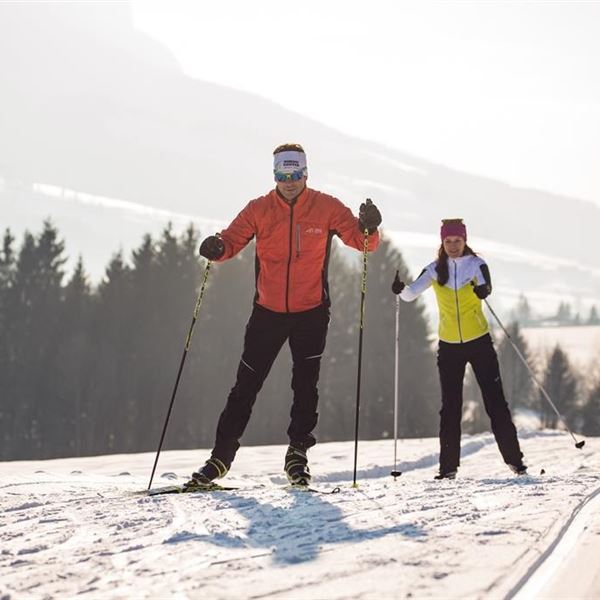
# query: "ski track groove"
{"type": "Point", "coordinates": [550, 546]}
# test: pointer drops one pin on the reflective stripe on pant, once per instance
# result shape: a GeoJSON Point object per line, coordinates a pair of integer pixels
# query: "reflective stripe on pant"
{"type": "Point", "coordinates": [452, 360]}
{"type": "Point", "coordinates": [266, 332]}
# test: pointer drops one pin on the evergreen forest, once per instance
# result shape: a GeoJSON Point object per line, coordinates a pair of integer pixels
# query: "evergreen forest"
{"type": "Point", "coordinates": [89, 369]}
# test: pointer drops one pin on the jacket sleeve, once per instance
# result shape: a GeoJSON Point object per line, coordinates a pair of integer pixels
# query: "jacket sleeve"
{"type": "Point", "coordinates": [482, 275]}
{"type": "Point", "coordinates": [239, 233]}
{"type": "Point", "coordinates": [345, 224]}
{"type": "Point", "coordinates": [418, 286]}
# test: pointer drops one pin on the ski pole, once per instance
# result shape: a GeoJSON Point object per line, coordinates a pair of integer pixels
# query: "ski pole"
{"type": "Point", "coordinates": [533, 376]}
{"type": "Point", "coordinates": [363, 290]}
{"type": "Point", "coordinates": [188, 341]}
{"type": "Point", "coordinates": [395, 286]}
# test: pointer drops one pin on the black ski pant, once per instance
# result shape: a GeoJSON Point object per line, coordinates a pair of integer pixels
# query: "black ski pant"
{"type": "Point", "coordinates": [266, 332]}
{"type": "Point", "coordinates": [452, 360]}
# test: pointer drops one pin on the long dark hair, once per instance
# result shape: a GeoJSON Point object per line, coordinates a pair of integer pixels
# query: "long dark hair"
{"type": "Point", "coordinates": [441, 268]}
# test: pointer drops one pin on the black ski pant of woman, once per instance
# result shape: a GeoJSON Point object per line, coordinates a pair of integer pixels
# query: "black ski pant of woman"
{"type": "Point", "coordinates": [452, 360]}
{"type": "Point", "coordinates": [266, 332]}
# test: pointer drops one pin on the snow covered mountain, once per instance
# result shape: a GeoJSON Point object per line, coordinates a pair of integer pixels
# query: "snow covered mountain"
{"type": "Point", "coordinates": [91, 105]}
{"type": "Point", "coordinates": [82, 526]}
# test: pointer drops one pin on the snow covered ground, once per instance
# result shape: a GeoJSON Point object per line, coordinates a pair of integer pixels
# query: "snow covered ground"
{"type": "Point", "coordinates": [80, 526]}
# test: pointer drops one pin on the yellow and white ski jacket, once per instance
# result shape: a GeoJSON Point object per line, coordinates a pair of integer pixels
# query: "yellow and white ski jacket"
{"type": "Point", "coordinates": [461, 316]}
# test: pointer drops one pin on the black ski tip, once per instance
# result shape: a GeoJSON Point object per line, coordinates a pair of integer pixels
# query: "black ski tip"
{"type": "Point", "coordinates": [543, 472]}
{"type": "Point", "coordinates": [580, 444]}
{"type": "Point", "coordinates": [395, 474]}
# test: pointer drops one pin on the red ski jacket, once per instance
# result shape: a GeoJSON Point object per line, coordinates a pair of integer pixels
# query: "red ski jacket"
{"type": "Point", "coordinates": [293, 243]}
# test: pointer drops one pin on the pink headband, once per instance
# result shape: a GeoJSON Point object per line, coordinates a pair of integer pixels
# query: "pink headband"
{"type": "Point", "coordinates": [453, 228]}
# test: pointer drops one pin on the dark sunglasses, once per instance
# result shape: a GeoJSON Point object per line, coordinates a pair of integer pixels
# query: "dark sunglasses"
{"type": "Point", "coordinates": [293, 176]}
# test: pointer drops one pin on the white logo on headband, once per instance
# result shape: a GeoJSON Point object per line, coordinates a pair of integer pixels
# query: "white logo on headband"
{"type": "Point", "coordinates": [289, 161]}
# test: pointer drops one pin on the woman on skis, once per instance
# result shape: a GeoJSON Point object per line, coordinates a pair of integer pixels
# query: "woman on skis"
{"type": "Point", "coordinates": [461, 280]}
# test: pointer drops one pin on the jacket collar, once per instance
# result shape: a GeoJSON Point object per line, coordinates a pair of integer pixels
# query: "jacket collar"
{"type": "Point", "coordinates": [299, 198]}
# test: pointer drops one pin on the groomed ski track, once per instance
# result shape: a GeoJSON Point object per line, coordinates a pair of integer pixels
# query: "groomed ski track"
{"type": "Point", "coordinates": [577, 543]}
{"type": "Point", "coordinates": [76, 527]}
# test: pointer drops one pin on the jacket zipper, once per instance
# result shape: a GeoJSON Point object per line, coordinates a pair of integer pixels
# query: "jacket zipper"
{"type": "Point", "coordinates": [297, 240]}
{"type": "Point", "coordinates": [287, 283]}
{"type": "Point", "coordinates": [456, 297]}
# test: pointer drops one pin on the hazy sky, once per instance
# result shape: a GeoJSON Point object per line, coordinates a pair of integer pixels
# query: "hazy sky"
{"type": "Point", "coordinates": [505, 89]}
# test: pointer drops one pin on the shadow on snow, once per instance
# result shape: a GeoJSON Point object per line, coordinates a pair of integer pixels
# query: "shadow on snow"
{"type": "Point", "coordinates": [295, 533]}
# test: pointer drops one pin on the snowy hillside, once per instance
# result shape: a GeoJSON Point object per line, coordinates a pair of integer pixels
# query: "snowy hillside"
{"type": "Point", "coordinates": [80, 526]}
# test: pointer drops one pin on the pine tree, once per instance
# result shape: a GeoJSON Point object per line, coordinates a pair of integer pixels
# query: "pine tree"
{"type": "Point", "coordinates": [17, 328]}
{"type": "Point", "coordinates": [110, 389]}
{"type": "Point", "coordinates": [522, 313]}
{"type": "Point", "coordinates": [563, 314]}
{"type": "Point", "coordinates": [593, 319]}
{"type": "Point", "coordinates": [7, 274]}
{"type": "Point", "coordinates": [75, 361]}
{"type": "Point", "coordinates": [33, 305]}
{"type": "Point", "coordinates": [178, 276]}
{"type": "Point", "coordinates": [590, 413]}
{"type": "Point", "coordinates": [145, 322]}
{"type": "Point", "coordinates": [7, 260]}
{"type": "Point", "coordinates": [561, 385]}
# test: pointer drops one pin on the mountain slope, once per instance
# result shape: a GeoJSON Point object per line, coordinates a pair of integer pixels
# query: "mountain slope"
{"type": "Point", "coordinates": [92, 105]}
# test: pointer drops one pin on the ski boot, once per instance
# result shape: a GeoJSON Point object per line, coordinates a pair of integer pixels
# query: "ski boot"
{"type": "Point", "coordinates": [446, 475]}
{"type": "Point", "coordinates": [296, 465]}
{"type": "Point", "coordinates": [520, 469]}
{"type": "Point", "coordinates": [203, 478]}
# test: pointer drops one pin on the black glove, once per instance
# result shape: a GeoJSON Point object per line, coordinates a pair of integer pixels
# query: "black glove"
{"type": "Point", "coordinates": [482, 291]}
{"type": "Point", "coordinates": [212, 247]}
{"type": "Point", "coordinates": [369, 216]}
{"type": "Point", "coordinates": [397, 285]}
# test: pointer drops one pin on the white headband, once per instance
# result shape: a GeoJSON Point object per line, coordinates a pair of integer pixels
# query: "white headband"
{"type": "Point", "coordinates": [289, 161]}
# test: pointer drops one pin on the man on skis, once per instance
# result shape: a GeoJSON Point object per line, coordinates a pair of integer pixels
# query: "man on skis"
{"type": "Point", "coordinates": [293, 226]}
